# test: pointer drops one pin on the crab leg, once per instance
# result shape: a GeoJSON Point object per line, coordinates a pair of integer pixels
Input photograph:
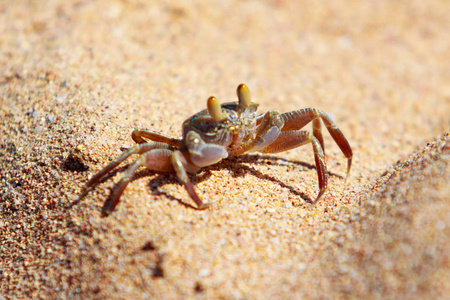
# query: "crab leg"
{"type": "Point", "coordinates": [179, 162]}
{"type": "Point", "coordinates": [156, 160]}
{"type": "Point", "coordinates": [136, 149]}
{"type": "Point", "coordinates": [118, 189]}
{"type": "Point", "coordinates": [295, 138]}
{"type": "Point", "coordinates": [296, 120]}
{"type": "Point", "coordinates": [139, 137]}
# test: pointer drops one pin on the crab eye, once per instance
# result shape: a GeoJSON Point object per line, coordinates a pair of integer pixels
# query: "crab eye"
{"type": "Point", "coordinates": [214, 108]}
{"type": "Point", "coordinates": [244, 96]}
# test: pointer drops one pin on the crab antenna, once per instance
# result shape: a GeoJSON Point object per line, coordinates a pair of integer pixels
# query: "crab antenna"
{"type": "Point", "coordinates": [214, 108]}
{"type": "Point", "coordinates": [244, 96]}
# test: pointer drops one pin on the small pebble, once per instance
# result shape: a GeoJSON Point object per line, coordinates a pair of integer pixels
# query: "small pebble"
{"type": "Point", "coordinates": [36, 114]}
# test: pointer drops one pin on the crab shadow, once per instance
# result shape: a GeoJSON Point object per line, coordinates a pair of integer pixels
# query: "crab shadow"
{"type": "Point", "coordinates": [237, 166]}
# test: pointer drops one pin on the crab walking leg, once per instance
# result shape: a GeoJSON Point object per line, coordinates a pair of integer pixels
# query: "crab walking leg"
{"type": "Point", "coordinates": [156, 160]}
{"type": "Point", "coordinates": [292, 139]}
{"type": "Point", "coordinates": [317, 132]}
{"type": "Point", "coordinates": [136, 149]}
{"type": "Point", "coordinates": [139, 137]}
{"type": "Point", "coordinates": [178, 162]}
{"type": "Point", "coordinates": [296, 120]}
{"type": "Point", "coordinates": [118, 189]}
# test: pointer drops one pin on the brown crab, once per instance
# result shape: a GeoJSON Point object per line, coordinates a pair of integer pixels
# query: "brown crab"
{"type": "Point", "coordinates": [221, 131]}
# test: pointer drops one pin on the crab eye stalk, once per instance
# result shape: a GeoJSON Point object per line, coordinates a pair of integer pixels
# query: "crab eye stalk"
{"type": "Point", "coordinates": [244, 96]}
{"type": "Point", "coordinates": [214, 108]}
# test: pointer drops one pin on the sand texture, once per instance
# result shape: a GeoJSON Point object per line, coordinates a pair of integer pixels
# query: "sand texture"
{"type": "Point", "coordinates": [76, 77]}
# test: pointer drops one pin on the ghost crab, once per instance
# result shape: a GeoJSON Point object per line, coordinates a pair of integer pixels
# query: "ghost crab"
{"type": "Point", "coordinates": [221, 131]}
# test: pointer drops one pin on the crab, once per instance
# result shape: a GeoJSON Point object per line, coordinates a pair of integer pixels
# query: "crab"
{"type": "Point", "coordinates": [221, 131]}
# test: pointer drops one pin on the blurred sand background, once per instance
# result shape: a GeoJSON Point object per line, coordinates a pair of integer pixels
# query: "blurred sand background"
{"type": "Point", "coordinates": [76, 77]}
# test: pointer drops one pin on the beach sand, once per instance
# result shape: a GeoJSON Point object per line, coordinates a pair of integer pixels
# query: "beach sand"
{"type": "Point", "coordinates": [76, 77]}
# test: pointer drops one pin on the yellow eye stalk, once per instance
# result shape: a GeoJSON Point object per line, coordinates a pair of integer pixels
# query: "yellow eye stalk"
{"type": "Point", "coordinates": [244, 96]}
{"type": "Point", "coordinates": [214, 108]}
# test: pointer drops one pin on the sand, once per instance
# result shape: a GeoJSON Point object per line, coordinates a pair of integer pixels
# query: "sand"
{"type": "Point", "coordinates": [76, 77]}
